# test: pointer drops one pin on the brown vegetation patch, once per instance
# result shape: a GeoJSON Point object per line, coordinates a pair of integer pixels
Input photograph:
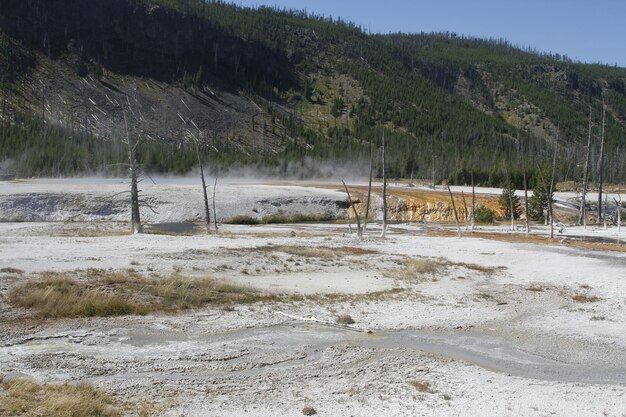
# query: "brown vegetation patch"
{"type": "Point", "coordinates": [487, 270]}
{"type": "Point", "coordinates": [425, 269]}
{"type": "Point", "coordinates": [421, 386]}
{"type": "Point", "coordinates": [534, 239]}
{"type": "Point", "coordinates": [26, 398]}
{"type": "Point", "coordinates": [583, 298]}
{"type": "Point", "coordinates": [105, 293]}
{"type": "Point", "coordinates": [309, 411]}
{"type": "Point", "coordinates": [323, 252]}
{"type": "Point", "coordinates": [535, 288]}
{"type": "Point", "coordinates": [417, 269]}
{"type": "Point", "coordinates": [10, 270]}
{"type": "Point", "coordinates": [345, 319]}
{"type": "Point", "coordinates": [97, 292]}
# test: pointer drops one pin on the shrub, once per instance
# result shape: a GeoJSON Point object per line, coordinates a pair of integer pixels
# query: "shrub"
{"type": "Point", "coordinates": [249, 220]}
{"type": "Point", "coordinates": [309, 411]}
{"type": "Point", "coordinates": [484, 215]}
{"type": "Point", "coordinates": [345, 319]}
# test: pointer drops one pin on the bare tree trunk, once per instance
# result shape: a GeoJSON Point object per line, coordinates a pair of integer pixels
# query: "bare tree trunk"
{"type": "Point", "coordinates": [552, 186]}
{"type": "Point", "coordinates": [384, 231]}
{"type": "Point", "coordinates": [432, 155]}
{"type": "Point", "coordinates": [349, 221]}
{"type": "Point", "coordinates": [473, 202]}
{"type": "Point", "coordinates": [43, 102]}
{"type": "Point", "coordinates": [359, 231]}
{"type": "Point", "coordinates": [583, 205]}
{"type": "Point", "coordinates": [526, 195]}
{"type": "Point", "coordinates": [618, 208]}
{"type": "Point", "coordinates": [207, 213]}
{"type": "Point", "coordinates": [456, 215]}
{"type": "Point", "coordinates": [511, 210]}
{"type": "Point", "coordinates": [600, 168]}
{"type": "Point", "coordinates": [369, 191]}
{"type": "Point", "coordinates": [214, 211]}
{"type": "Point", "coordinates": [135, 218]}
{"type": "Point", "coordinates": [465, 210]}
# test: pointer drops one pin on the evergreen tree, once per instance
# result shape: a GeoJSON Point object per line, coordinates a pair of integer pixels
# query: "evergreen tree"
{"type": "Point", "coordinates": [538, 203]}
{"type": "Point", "coordinates": [507, 198]}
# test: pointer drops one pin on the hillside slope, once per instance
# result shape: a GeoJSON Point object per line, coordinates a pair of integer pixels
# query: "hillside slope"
{"type": "Point", "coordinates": [267, 87]}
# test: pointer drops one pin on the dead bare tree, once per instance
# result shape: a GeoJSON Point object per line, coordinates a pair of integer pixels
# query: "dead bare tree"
{"type": "Point", "coordinates": [526, 190]}
{"type": "Point", "coordinates": [384, 231]}
{"type": "Point", "coordinates": [207, 212]}
{"type": "Point", "coordinates": [135, 218]}
{"type": "Point", "coordinates": [583, 204]}
{"type": "Point", "coordinates": [601, 166]}
{"type": "Point", "coordinates": [129, 106]}
{"type": "Point", "coordinates": [549, 190]}
{"type": "Point", "coordinates": [473, 202]}
{"type": "Point", "coordinates": [359, 231]}
{"type": "Point", "coordinates": [369, 190]}
{"type": "Point", "coordinates": [43, 102]}
{"type": "Point", "coordinates": [618, 209]}
{"type": "Point", "coordinates": [456, 215]}
{"type": "Point", "coordinates": [553, 184]}
{"type": "Point", "coordinates": [511, 194]}
{"type": "Point", "coordinates": [465, 210]}
{"type": "Point", "coordinates": [214, 210]}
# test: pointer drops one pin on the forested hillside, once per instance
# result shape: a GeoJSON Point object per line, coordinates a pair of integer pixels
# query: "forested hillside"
{"type": "Point", "coordinates": [272, 87]}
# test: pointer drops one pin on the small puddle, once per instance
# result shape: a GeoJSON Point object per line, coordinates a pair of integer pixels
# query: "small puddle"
{"type": "Point", "coordinates": [184, 228]}
{"type": "Point", "coordinates": [498, 355]}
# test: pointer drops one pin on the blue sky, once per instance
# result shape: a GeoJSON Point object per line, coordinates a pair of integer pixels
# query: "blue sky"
{"type": "Point", "coordinates": [586, 30]}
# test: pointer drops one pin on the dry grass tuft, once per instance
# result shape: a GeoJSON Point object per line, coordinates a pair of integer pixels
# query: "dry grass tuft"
{"type": "Point", "coordinates": [322, 252]}
{"type": "Point", "coordinates": [582, 298]}
{"type": "Point", "coordinates": [487, 270]}
{"type": "Point", "coordinates": [484, 296]}
{"type": "Point", "coordinates": [58, 296]}
{"type": "Point", "coordinates": [105, 293]}
{"type": "Point", "coordinates": [309, 411]}
{"type": "Point", "coordinates": [421, 386]}
{"type": "Point", "coordinates": [345, 319]}
{"type": "Point", "coordinates": [10, 270]}
{"type": "Point", "coordinates": [416, 269]}
{"type": "Point", "coordinates": [598, 318]}
{"type": "Point", "coordinates": [26, 398]}
{"type": "Point", "coordinates": [535, 288]}
{"type": "Point", "coordinates": [534, 239]}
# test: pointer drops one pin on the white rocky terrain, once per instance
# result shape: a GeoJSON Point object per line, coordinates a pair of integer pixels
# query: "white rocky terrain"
{"type": "Point", "coordinates": [493, 323]}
